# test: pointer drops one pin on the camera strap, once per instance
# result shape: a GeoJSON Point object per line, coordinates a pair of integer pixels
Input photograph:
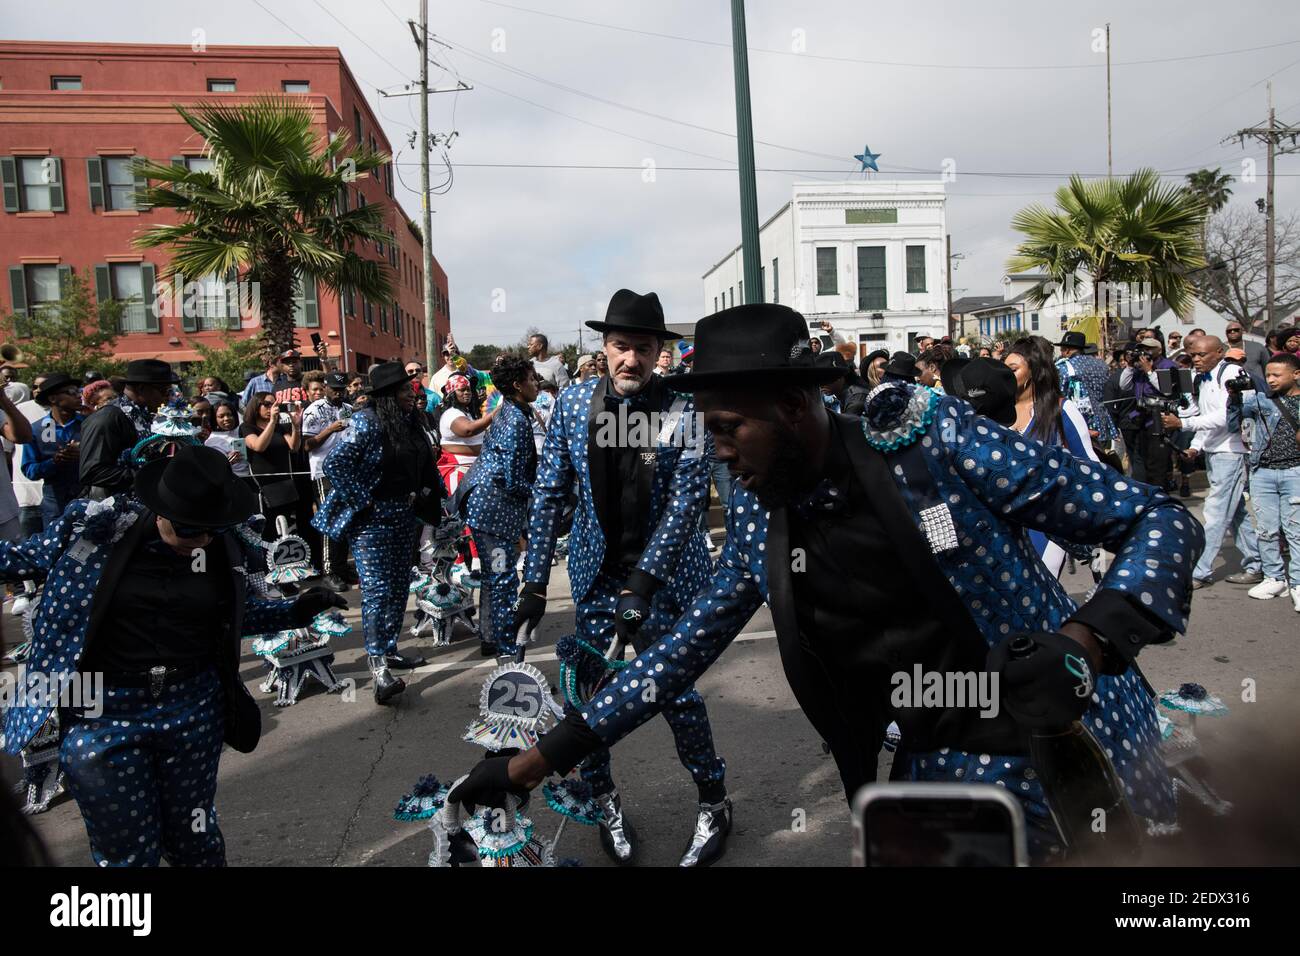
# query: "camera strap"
{"type": "Point", "coordinates": [1286, 414]}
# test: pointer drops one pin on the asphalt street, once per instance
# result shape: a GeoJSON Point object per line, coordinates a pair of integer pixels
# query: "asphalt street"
{"type": "Point", "coordinates": [320, 788]}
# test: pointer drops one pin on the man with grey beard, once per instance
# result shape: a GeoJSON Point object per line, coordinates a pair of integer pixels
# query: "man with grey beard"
{"type": "Point", "coordinates": [637, 556]}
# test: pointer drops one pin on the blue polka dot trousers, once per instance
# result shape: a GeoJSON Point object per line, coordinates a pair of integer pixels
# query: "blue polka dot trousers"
{"type": "Point", "coordinates": [144, 774]}
{"type": "Point", "coordinates": [686, 714]}
{"type": "Point", "coordinates": [497, 559]}
{"type": "Point", "coordinates": [382, 547]}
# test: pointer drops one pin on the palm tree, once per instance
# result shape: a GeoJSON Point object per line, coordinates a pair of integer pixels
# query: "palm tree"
{"type": "Point", "coordinates": [1211, 187]}
{"type": "Point", "coordinates": [1118, 231]}
{"type": "Point", "coordinates": [267, 208]}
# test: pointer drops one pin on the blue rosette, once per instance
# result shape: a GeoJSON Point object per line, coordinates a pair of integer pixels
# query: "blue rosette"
{"type": "Point", "coordinates": [1193, 699]}
{"type": "Point", "coordinates": [424, 800]}
{"type": "Point", "coordinates": [897, 415]}
{"type": "Point", "coordinates": [572, 798]}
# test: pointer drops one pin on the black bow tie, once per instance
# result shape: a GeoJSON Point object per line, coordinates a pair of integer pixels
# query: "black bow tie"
{"type": "Point", "coordinates": [825, 499]}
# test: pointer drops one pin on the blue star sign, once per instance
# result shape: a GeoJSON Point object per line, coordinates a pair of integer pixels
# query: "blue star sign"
{"type": "Point", "coordinates": [868, 159]}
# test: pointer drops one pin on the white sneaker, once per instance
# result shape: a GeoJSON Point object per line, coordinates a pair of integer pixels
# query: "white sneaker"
{"type": "Point", "coordinates": [1295, 598]}
{"type": "Point", "coordinates": [1268, 588]}
{"type": "Point", "coordinates": [20, 605]}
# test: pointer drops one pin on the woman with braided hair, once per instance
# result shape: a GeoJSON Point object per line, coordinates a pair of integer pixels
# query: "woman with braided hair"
{"type": "Point", "coordinates": [496, 505]}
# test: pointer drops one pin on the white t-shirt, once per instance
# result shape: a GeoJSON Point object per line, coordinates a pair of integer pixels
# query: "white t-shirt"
{"type": "Point", "coordinates": [449, 437]}
{"type": "Point", "coordinates": [221, 441]}
{"type": "Point", "coordinates": [318, 416]}
{"type": "Point", "coordinates": [8, 502]}
{"type": "Point", "coordinates": [28, 492]}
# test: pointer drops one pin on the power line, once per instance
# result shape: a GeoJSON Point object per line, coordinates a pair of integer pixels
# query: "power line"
{"type": "Point", "coordinates": [895, 63]}
{"type": "Point", "coordinates": [784, 169]}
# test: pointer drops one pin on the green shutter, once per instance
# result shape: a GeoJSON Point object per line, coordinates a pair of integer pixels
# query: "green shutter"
{"type": "Point", "coordinates": [189, 321]}
{"type": "Point", "coordinates": [18, 290]}
{"type": "Point", "coordinates": [179, 161]}
{"type": "Point", "coordinates": [103, 284]}
{"type": "Point", "coordinates": [65, 280]}
{"type": "Point", "coordinates": [95, 177]}
{"type": "Point", "coordinates": [9, 176]}
{"type": "Point", "coordinates": [310, 311]}
{"type": "Point", "coordinates": [141, 184]}
{"type": "Point", "coordinates": [151, 322]}
{"type": "Point", "coordinates": [56, 184]}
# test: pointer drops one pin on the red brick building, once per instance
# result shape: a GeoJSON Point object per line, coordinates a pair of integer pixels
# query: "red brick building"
{"type": "Point", "coordinates": [73, 115]}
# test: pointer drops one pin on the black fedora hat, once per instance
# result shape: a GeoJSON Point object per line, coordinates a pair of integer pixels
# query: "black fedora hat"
{"type": "Point", "coordinates": [388, 376]}
{"type": "Point", "coordinates": [1072, 340]}
{"type": "Point", "coordinates": [754, 345]}
{"type": "Point", "coordinates": [195, 486]}
{"type": "Point", "coordinates": [630, 312]}
{"type": "Point", "coordinates": [53, 383]}
{"type": "Point", "coordinates": [901, 367]}
{"type": "Point", "coordinates": [829, 358]}
{"type": "Point", "coordinates": [150, 372]}
{"type": "Point", "coordinates": [986, 383]}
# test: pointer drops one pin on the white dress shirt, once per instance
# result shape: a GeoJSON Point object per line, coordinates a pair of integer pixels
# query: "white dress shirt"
{"type": "Point", "coordinates": [1207, 416]}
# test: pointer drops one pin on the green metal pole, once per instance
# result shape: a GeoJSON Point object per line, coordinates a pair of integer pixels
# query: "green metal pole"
{"type": "Point", "coordinates": [745, 150]}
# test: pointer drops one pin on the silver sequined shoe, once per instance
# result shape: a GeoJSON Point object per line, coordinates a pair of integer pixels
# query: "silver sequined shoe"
{"type": "Point", "coordinates": [616, 835]}
{"type": "Point", "coordinates": [709, 841]}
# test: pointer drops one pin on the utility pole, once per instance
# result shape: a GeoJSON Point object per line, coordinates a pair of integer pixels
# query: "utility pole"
{"type": "Point", "coordinates": [426, 214]}
{"type": "Point", "coordinates": [745, 151]}
{"type": "Point", "coordinates": [1271, 136]}
{"type": "Point", "coordinates": [420, 32]}
{"type": "Point", "coordinates": [1110, 169]}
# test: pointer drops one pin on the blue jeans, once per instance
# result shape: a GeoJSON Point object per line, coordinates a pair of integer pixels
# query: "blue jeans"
{"type": "Point", "coordinates": [1275, 493]}
{"type": "Point", "coordinates": [1226, 511]}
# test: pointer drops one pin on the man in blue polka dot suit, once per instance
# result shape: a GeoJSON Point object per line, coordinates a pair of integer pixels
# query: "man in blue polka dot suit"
{"type": "Point", "coordinates": [899, 541]}
{"type": "Point", "coordinates": [637, 556]}
{"type": "Point", "coordinates": [146, 597]}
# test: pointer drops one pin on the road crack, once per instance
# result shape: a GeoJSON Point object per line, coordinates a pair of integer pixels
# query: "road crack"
{"type": "Point", "coordinates": [390, 728]}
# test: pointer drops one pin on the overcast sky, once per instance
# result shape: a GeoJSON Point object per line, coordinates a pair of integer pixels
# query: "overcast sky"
{"type": "Point", "coordinates": [997, 87]}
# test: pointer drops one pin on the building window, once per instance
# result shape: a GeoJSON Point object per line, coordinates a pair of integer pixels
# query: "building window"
{"type": "Point", "coordinates": [42, 287]}
{"type": "Point", "coordinates": [296, 86]}
{"type": "Point", "coordinates": [221, 86]}
{"type": "Point", "coordinates": [119, 182]}
{"type": "Point", "coordinates": [1033, 321]}
{"type": "Point", "coordinates": [762, 279]}
{"type": "Point", "coordinates": [397, 322]}
{"type": "Point", "coordinates": [32, 183]}
{"type": "Point", "coordinates": [715, 303]}
{"type": "Point", "coordinates": [356, 125]}
{"type": "Point", "coordinates": [65, 82]}
{"type": "Point", "coordinates": [198, 164]}
{"type": "Point", "coordinates": [871, 278]}
{"type": "Point", "coordinates": [776, 284]}
{"type": "Point", "coordinates": [916, 269]}
{"type": "Point", "coordinates": [740, 291]}
{"type": "Point", "coordinates": [827, 272]}
{"type": "Point", "coordinates": [128, 289]}
{"type": "Point", "coordinates": [383, 318]}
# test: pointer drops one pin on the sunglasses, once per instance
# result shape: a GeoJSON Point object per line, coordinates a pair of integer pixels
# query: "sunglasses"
{"type": "Point", "coordinates": [193, 531]}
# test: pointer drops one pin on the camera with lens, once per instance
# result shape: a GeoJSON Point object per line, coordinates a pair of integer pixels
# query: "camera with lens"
{"type": "Point", "coordinates": [1173, 386]}
{"type": "Point", "coordinates": [1242, 383]}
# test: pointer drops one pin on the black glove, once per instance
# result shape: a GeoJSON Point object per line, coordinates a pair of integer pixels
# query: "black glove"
{"type": "Point", "coordinates": [487, 785]}
{"type": "Point", "coordinates": [629, 615]}
{"type": "Point", "coordinates": [312, 601]}
{"type": "Point", "coordinates": [529, 608]}
{"type": "Point", "coordinates": [1046, 680]}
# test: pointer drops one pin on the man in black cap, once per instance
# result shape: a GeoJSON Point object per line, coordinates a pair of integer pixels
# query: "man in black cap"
{"type": "Point", "coordinates": [631, 447]}
{"type": "Point", "coordinates": [989, 386]}
{"type": "Point", "coordinates": [1083, 380]}
{"type": "Point", "coordinates": [911, 559]}
{"type": "Point", "coordinates": [323, 424]}
{"type": "Point", "coordinates": [847, 393]}
{"type": "Point", "coordinates": [53, 454]}
{"type": "Point", "coordinates": [119, 425]}
{"type": "Point", "coordinates": [152, 648]}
